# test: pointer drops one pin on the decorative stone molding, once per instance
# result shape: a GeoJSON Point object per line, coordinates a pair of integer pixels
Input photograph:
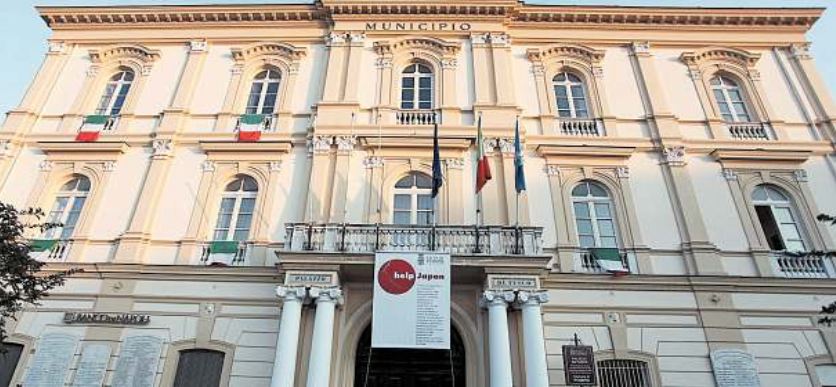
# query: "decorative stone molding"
{"type": "Point", "coordinates": [335, 38]}
{"type": "Point", "coordinates": [674, 156]}
{"type": "Point", "coordinates": [57, 47]}
{"type": "Point", "coordinates": [553, 170]}
{"type": "Point", "coordinates": [208, 166]}
{"type": "Point", "coordinates": [454, 163]}
{"type": "Point", "coordinates": [320, 144]}
{"type": "Point", "coordinates": [345, 144]}
{"type": "Point", "coordinates": [5, 148]}
{"type": "Point", "coordinates": [373, 162]}
{"type": "Point", "coordinates": [801, 51]}
{"type": "Point", "coordinates": [581, 53]}
{"type": "Point", "coordinates": [142, 57]}
{"type": "Point", "coordinates": [538, 70]}
{"type": "Point", "coordinates": [695, 74]}
{"type": "Point", "coordinates": [479, 38]}
{"type": "Point", "coordinates": [46, 165]}
{"type": "Point", "coordinates": [449, 63]}
{"type": "Point", "coordinates": [730, 174]}
{"type": "Point", "coordinates": [109, 166]}
{"type": "Point", "coordinates": [383, 63]}
{"type": "Point", "coordinates": [198, 46]}
{"type": "Point", "coordinates": [500, 40]}
{"type": "Point", "coordinates": [622, 172]}
{"type": "Point", "coordinates": [284, 293]}
{"type": "Point", "coordinates": [598, 72]}
{"type": "Point", "coordinates": [268, 50]}
{"type": "Point", "coordinates": [327, 294]}
{"type": "Point", "coordinates": [537, 297]}
{"type": "Point", "coordinates": [640, 48]}
{"type": "Point", "coordinates": [161, 147]}
{"type": "Point", "coordinates": [237, 69]}
{"type": "Point", "coordinates": [494, 296]}
{"type": "Point", "coordinates": [800, 175]}
{"type": "Point", "coordinates": [275, 166]}
{"type": "Point", "coordinates": [436, 47]}
{"type": "Point", "coordinates": [505, 145]}
{"type": "Point", "coordinates": [754, 75]}
{"type": "Point", "coordinates": [357, 37]}
{"type": "Point", "coordinates": [742, 58]}
{"type": "Point", "coordinates": [92, 71]}
{"type": "Point", "coordinates": [489, 144]}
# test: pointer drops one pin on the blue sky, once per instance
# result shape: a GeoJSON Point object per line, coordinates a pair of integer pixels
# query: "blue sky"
{"type": "Point", "coordinates": [23, 34]}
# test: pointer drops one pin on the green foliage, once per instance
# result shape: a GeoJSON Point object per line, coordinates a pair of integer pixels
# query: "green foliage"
{"type": "Point", "coordinates": [827, 315]}
{"type": "Point", "coordinates": [21, 282]}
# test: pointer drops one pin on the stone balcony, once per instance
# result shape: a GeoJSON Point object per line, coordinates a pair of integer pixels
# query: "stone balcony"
{"type": "Point", "coordinates": [754, 131]}
{"type": "Point", "coordinates": [452, 239]}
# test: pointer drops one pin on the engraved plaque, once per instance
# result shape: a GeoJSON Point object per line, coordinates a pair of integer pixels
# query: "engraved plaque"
{"type": "Point", "coordinates": [137, 364]}
{"type": "Point", "coordinates": [298, 278]}
{"type": "Point", "coordinates": [52, 360]}
{"type": "Point", "coordinates": [513, 282]}
{"type": "Point", "coordinates": [734, 368]}
{"type": "Point", "coordinates": [92, 366]}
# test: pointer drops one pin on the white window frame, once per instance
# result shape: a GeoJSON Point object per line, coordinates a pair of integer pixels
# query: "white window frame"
{"type": "Point", "coordinates": [413, 192]}
{"type": "Point", "coordinates": [567, 85]}
{"type": "Point", "coordinates": [72, 197]}
{"type": "Point", "coordinates": [774, 204]}
{"type": "Point", "coordinates": [271, 77]}
{"type": "Point", "coordinates": [117, 83]}
{"type": "Point", "coordinates": [238, 198]}
{"type": "Point", "coordinates": [589, 201]}
{"type": "Point", "coordinates": [416, 77]}
{"type": "Point", "coordinates": [726, 85]}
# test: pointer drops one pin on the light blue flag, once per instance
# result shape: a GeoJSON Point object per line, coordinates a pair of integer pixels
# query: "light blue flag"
{"type": "Point", "coordinates": [519, 170]}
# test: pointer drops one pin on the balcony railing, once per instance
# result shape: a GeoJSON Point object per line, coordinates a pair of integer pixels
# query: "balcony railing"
{"type": "Point", "coordinates": [58, 252]}
{"type": "Point", "coordinates": [266, 122]}
{"type": "Point", "coordinates": [238, 256]}
{"type": "Point", "coordinates": [802, 267]}
{"type": "Point", "coordinates": [585, 262]}
{"type": "Point", "coordinates": [417, 117]}
{"type": "Point", "coordinates": [581, 127]}
{"type": "Point", "coordinates": [750, 131]}
{"type": "Point", "coordinates": [457, 240]}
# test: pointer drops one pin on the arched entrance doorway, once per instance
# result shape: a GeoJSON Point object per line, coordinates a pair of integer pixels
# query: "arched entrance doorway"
{"type": "Point", "coordinates": [410, 367]}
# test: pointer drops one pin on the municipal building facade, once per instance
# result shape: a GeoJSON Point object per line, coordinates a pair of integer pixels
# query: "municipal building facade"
{"type": "Point", "coordinates": [225, 174]}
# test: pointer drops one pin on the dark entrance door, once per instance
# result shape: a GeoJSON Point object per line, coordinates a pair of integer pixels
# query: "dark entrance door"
{"type": "Point", "coordinates": [409, 367]}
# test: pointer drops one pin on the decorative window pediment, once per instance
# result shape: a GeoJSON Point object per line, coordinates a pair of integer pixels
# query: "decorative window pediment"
{"type": "Point", "coordinates": [437, 49]}
{"type": "Point", "coordinates": [700, 58]}
{"type": "Point", "coordinates": [132, 55]}
{"type": "Point", "coordinates": [587, 55]}
{"type": "Point", "coordinates": [289, 53]}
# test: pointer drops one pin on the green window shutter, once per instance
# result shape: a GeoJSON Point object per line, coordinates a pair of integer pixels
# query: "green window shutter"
{"type": "Point", "coordinates": [252, 119]}
{"type": "Point", "coordinates": [40, 245]}
{"type": "Point", "coordinates": [223, 247]}
{"type": "Point", "coordinates": [96, 119]}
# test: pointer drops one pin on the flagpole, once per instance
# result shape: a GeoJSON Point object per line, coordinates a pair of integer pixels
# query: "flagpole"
{"type": "Point", "coordinates": [380, 159]}
{"type": "Point", "coordinates": [480, 217]}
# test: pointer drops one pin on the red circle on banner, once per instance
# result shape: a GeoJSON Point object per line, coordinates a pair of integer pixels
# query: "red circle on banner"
{"type": "Point", "coordinates": [396, 276]}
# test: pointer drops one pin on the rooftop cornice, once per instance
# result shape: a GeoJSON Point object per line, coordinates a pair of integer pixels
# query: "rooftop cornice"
{"type": "Point", "coordinates": [510, 11]}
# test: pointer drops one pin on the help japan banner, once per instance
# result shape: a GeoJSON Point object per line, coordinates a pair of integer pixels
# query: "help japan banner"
{"type": "Point", "coordinates": [411, 307]}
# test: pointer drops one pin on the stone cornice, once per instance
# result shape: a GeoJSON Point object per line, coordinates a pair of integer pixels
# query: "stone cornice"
{"type": "Point", "coordinates": [512, 12]}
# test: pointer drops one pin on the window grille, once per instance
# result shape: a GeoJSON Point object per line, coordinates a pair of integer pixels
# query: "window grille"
{"type": "Point", "coordinates": [623, 373]}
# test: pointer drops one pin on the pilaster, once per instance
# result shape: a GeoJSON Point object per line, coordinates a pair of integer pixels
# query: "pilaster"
{"type": "Point", "coordinates": [342, 171]}
{"type": "Point", "coordinates": [176, 114]}
{"type": "Point", "coordinates": [512, 202]}
{"type": "Point", "coordinates": [319, 198]}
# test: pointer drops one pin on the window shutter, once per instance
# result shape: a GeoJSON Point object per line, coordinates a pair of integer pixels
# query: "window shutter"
{"type": "Point", "coordinates": [199, 368]}
{"type": "Point", "coordinates": [8, 362]}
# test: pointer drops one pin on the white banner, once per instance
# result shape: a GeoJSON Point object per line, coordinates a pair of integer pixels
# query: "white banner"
{"type": "Point", "coordinates": [411, 301]}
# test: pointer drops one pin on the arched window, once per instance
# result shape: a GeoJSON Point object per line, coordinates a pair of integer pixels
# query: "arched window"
{"type": "Point", "coordinates": [8, 362]}
{"type": "Point", "coordinates": [264, 92]}
{"type": "Point", "coordinates": [199, 368]}
{"type": "Point", "coordinates": [594, 217]}
{"type": "Point", "coordinates": [115, 93]}
{"type": "Point", "coordinates": [235, 215]}
{"type": "Point", "coordinates": [777, 219]}
{"type": "Point", "coordinates": [729, 97]}
{"type": "Point", "coordinates": [624, 373]}
{"type": "Point", "coordinates": [417, 87]}
{"type": "Point", "coordinates": [69, 201]}
{"type": "Point", "coordinates": [826, 373]}
{"type": "Point", "coordinates": [413, 202]}
{"type": "Point", "coordinates": [570, 94]}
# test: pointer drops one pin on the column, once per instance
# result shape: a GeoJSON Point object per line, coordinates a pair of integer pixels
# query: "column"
{"type": "Point", "coordinates": [319, 366]}
{"type": "Point", "coordinates": [334, 80]}
{"type": "Point", "coordinates": [319, 199]}
{"type": "Point", "coordinates": [481, 64]}
{"type": "Point", "coordinates": [342, 174]}
{"type": "Point", "coordinates": [284, 365]}
{"type": "Point", "coordinates": [536, 368]}
{"type": "Point", "coordinates": [500, 345]}
{"type": "Point", "coordinates": [501, 52]}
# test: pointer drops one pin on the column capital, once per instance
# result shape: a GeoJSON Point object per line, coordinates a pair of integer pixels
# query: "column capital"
{"type": "Point", "coordinates": [287, 293]}
{"type": "Point", "coordinates": [532, 298]}
{"type": "Point", "coordinates": [345, 144]}
{"type": "Point", "coordinates": [498, 297]}
{"type": "Point", "coordinates": [373, 162]}
{"type": "Point", "coordinates": [801, 51]}
{"type": "Point", "coordinates": [5, 148]}
{"type": "Point", "coordinates": [161, 147]}
{"type": "Point", "coordinates": [334, 295]}
{"type": "Point", "coordinates": [674, 156]}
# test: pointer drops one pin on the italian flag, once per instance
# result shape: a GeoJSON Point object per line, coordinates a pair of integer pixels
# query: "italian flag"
{"type": "Point", "coordinates": [250, 127]}
{"type": "Point", "coordinates": [610, 260]}
{"type": "Point", "coordinates": [92, 126]}
{"type": "Point", "coordinates": [483, 169]}
{"type": "Point", "coordinates": [222, 253]}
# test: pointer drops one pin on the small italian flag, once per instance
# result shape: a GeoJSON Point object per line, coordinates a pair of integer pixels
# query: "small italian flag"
{"type": "Point", "coordinates": [92, 126]}
{"type": "Point", "coordinates": [483, 169]}
{"type": "Point", "coordinates": [610, 260]}
{"type": "Point", "coordinates": [41, 245]}
{"type": "Point", "coordinates": [250, 127]}
{"type": "Point", "coordinates": [222, 253]}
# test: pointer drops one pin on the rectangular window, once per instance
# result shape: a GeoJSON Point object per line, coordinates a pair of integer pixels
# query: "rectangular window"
{"type": "Point", "coordinates": [199, 368]}
{"type": "Point", "coordinates": [8, 362]}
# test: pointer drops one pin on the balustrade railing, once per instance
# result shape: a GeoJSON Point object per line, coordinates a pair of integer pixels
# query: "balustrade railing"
{"type": "Point", "coordinates": [581, 127]}
{"type": "Point", "coordinates": [58, 252]}
{"type": "Point", "coordinates": [237, 257]}
{"type": "Point", "coordinates": [456, 240]}
{"type": "Point", "coordinates": [266, 124]}
{"type": "Point", "coordinates": [750, 131]}
{"type": "Point", "coordinates": [802, 267]}
{"type": "Point", "coordinates": [417, 117]}
{"type": "Point", "coordinates": [587, 263]}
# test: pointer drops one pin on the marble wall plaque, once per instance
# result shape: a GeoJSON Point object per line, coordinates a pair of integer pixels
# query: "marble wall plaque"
{"type": "Point", "coordinates": [734, 368]}
{"type": "Point", "coordinates": [93, 366]}
{"type": "Point", "coordinates": [138, 360]}
{"type": "Point", "coordinates": [53, 357]}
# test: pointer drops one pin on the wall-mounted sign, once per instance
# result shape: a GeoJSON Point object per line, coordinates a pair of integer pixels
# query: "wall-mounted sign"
{"type": "Point", "coordinates": [138, 359]}
{"type": "Point", "coordinates": [106, 318]}
{"type": "Point", "coordinates": [579, 365]}
{"type": "Point", "coordinates": [418, 26]}
{"type": "Point", "coordinates": [93, 366]}
{"type": "Point", "coordinates": [53, 356]}
{"type": "Point", "coordinates": [411, 305]}
{"type": "Point", "coordinates": [298, 278]}
{"type": "Point", "coordinates": [734, 368]}
{"type": "Point", "coordinates": [513, 282]}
